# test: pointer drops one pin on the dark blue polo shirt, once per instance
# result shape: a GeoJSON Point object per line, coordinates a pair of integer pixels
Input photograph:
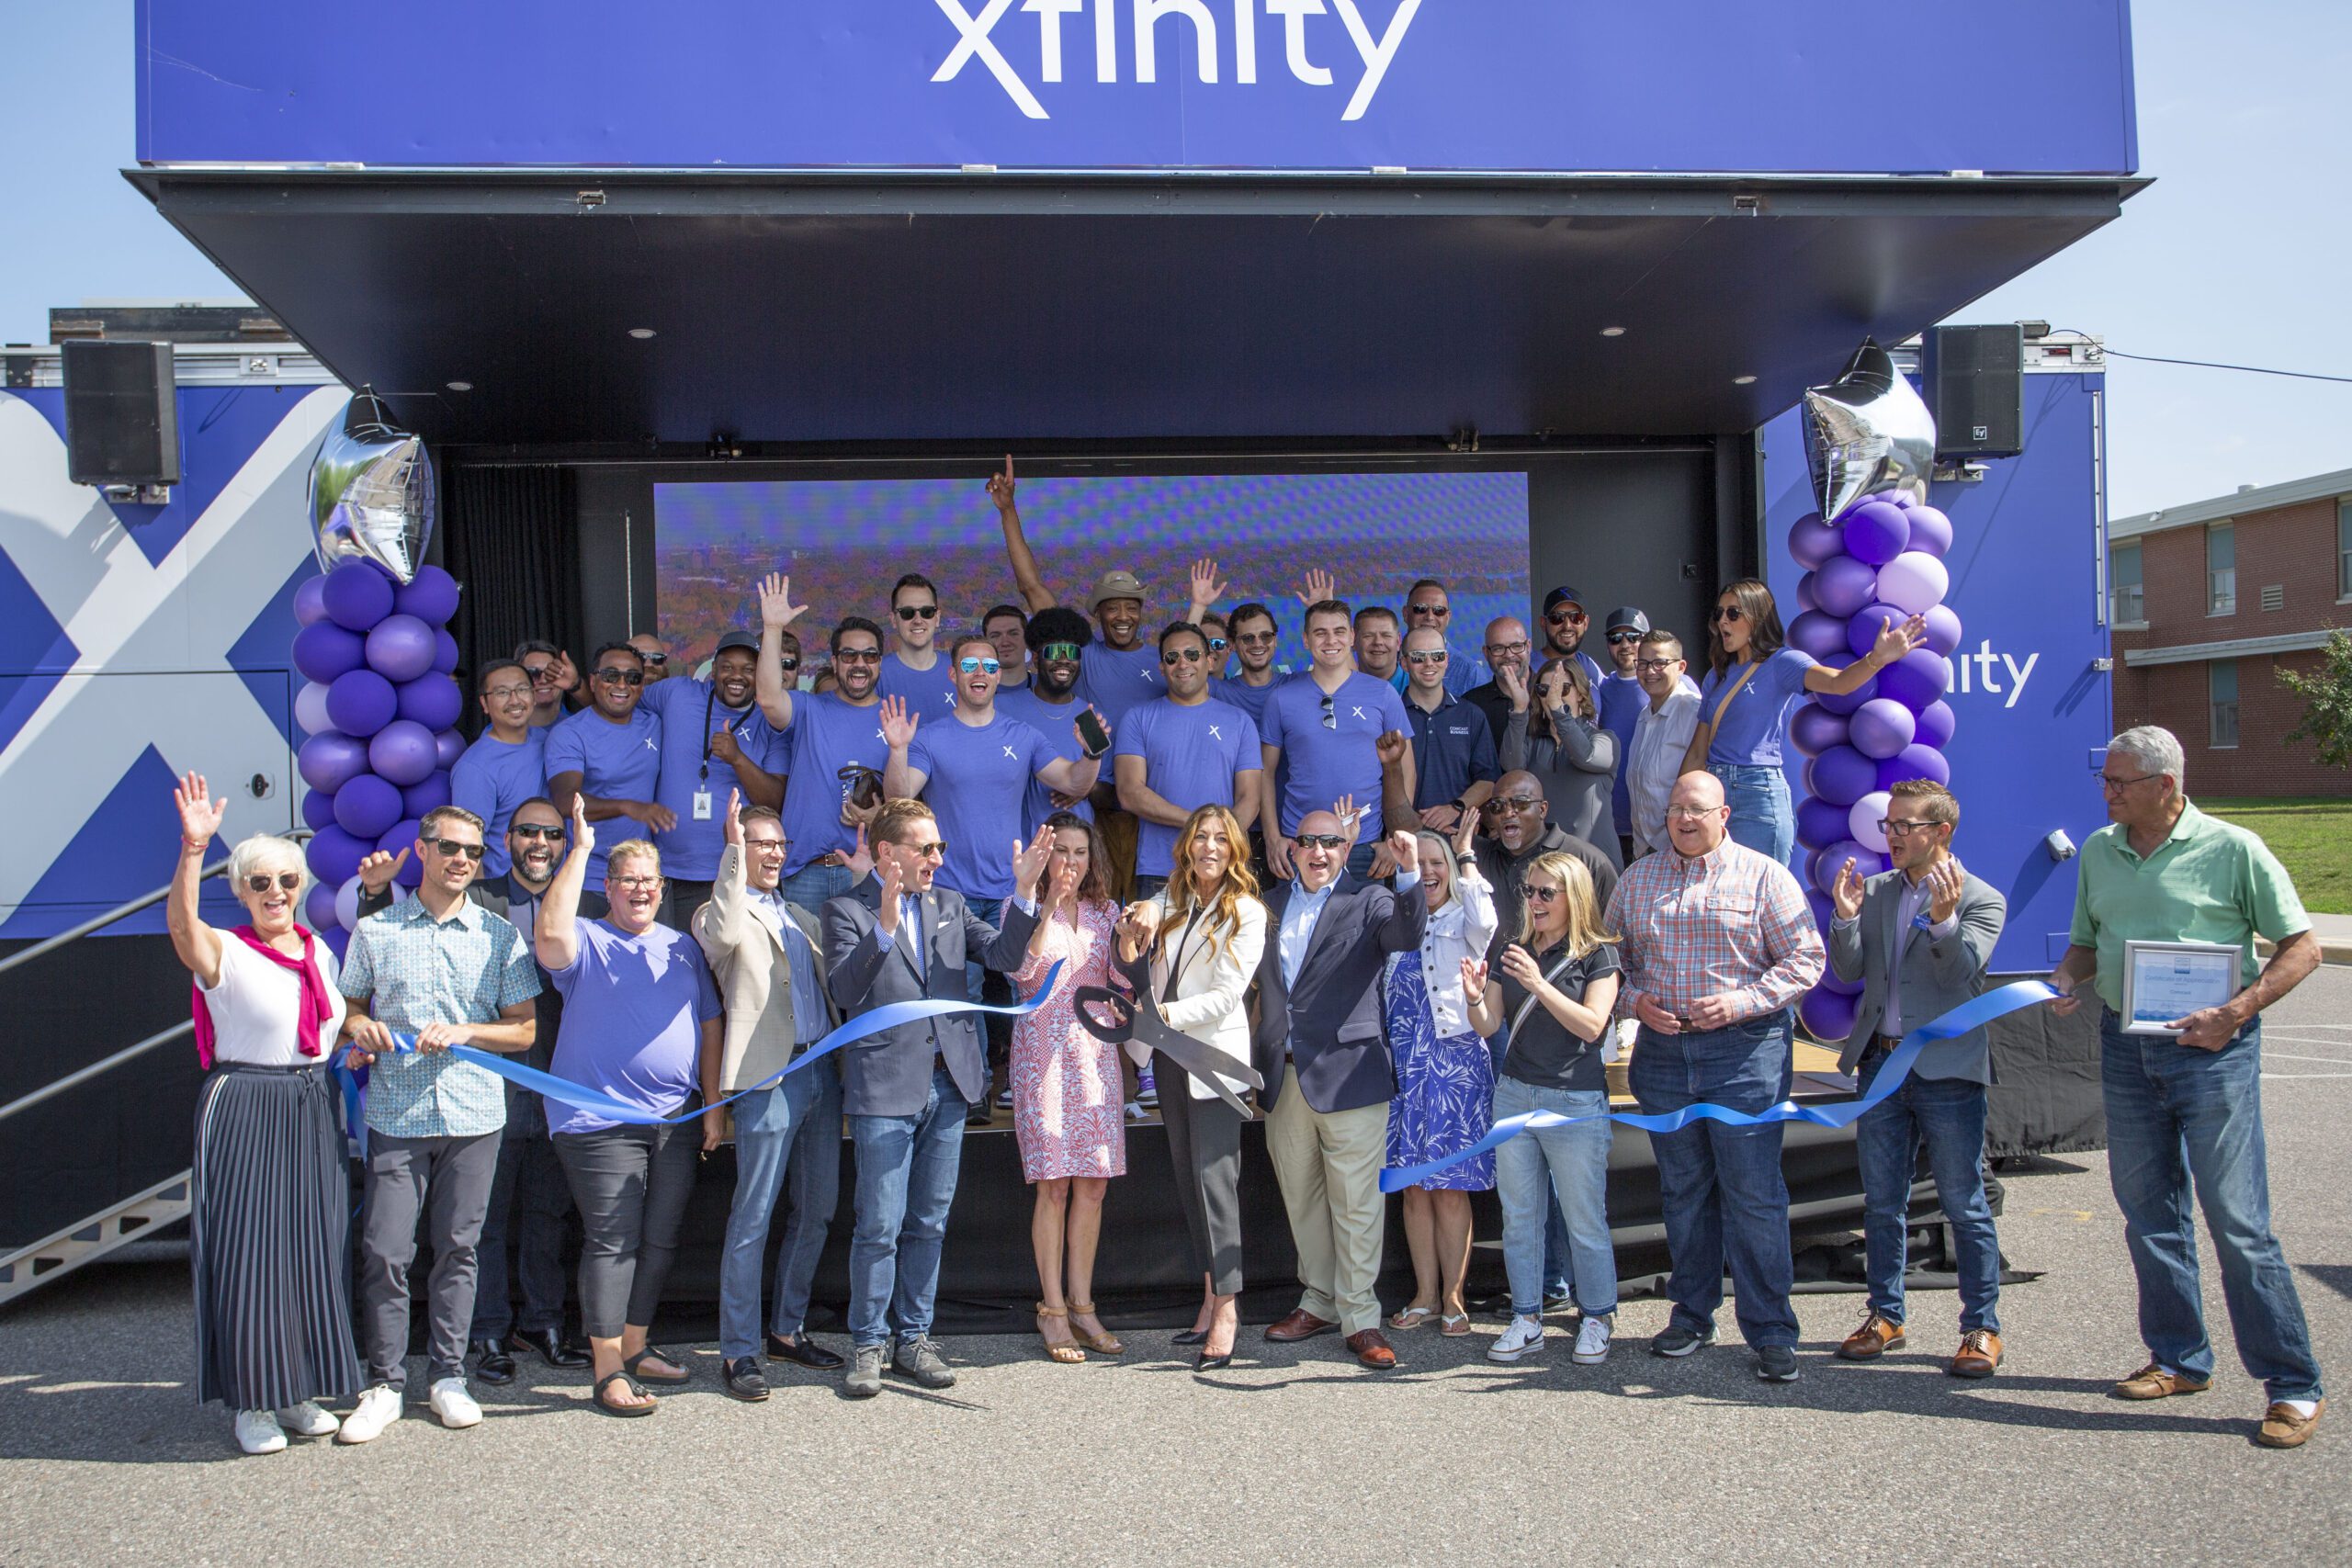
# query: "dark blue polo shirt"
{"type": "Point", "coordinates": [1453, 749]}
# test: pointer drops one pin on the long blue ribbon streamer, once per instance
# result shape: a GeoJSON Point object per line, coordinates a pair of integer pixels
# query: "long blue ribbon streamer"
{"type": "Point", "coordinates": [1973, 1013]}
{"type": "Point", "coordinates": [596, 1102]}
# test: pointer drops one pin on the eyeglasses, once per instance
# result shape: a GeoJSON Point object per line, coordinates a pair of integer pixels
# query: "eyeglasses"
{"type": "Point", "coordinates": [974, 666]}
{"type": "Point", "coordinates": [501, 693]}
{"type": "Point", "coordinates": [2117, 787]}
{"type": "Point", "coordinates": [620, 677]}
{"type": "Point", "coordinates": [1217, 645]}
{"type": "Point", "coordinates": [1426, 657]}
{"type": "Point", "coordinates": [633, 882]}
{"type": "Point", "coordinates": [455, 849]}
{"type": "Point", "coordinates": [857, 656]}
{"type": "Point", "coordinates": [526, 831]}
{"type": "Point", "coordinates": [1506, 649]}
{"type": "Point", "coordinates": [1562, 616]}
{"type": "Point", "coordinates": [1175, 655]}
{"type": "Point", "coordinates": [1318, 840]}
{"type": "Point", "coordinates": [1616, 637]}
{"type": "Point", "coordinates": [767, 846]}
{"type": "Point", "coordinates": [286, 881]}
{"type": "Point", "coordinates": [1692, 813]}
{"type": "Point", "coordinates": [1728, 613]}
{"type": "Point", "coordinates": [1535, 894]}
{"type": "Point", "coordinates": [540, 674]}
{"type": "Point", "coordinates": [918, 612]}
{"type": "Point", "coordinates": [1331, 714]}
{"type": "Point", "coordinates": [1654, 666]}
{"type": "Point", "coordinates": [1515, 802]}
{"type": "Point", "coordinates": [789, 665]}
{"type": "Point", "coordinates": [1435, 612]}
{"type": "Point", "coordinates": [1897, 828]}
{"type": "Point", "coordinates": [1059, 652]}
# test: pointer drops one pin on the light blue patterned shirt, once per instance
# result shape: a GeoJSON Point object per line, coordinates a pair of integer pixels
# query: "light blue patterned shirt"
{"type": "Point", "coordinates": [466, 969]}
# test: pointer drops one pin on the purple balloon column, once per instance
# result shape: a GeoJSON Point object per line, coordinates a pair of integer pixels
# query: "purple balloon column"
{"type": "Point", "coordinates": [1880, 561]}
{"type": "Point", "coordinates": [378, 716]}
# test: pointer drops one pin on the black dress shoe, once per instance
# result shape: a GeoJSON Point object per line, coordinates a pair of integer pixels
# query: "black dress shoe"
{"type": "Point", "coordinates": [1191, 1337]}
{"type": "Point", "coordinates": [493, 1365]}
{"type": "Point", "coordinates": [744, 1381]}
{"type": "Point", "coordinates": [803, 1352]}
{"type": "Point", "coordinates": [551, 1347]}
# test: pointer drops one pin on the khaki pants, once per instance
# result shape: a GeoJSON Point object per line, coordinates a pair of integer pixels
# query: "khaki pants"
{"type": "Point", "coordinates": [1328, 1170]}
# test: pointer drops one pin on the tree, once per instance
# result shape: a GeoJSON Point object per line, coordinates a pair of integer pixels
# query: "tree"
{"type": "Point", "coordinates": [2327, 702]}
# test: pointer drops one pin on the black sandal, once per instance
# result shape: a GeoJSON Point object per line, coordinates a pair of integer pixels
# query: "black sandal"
{"type": "Point", "coordinates": [633, 1365]}
{"type": "Point", "coordinates": [632, 1411]}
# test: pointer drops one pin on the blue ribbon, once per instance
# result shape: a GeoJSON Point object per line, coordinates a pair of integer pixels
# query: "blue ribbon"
{"type": "Point", "coordinates": [890, 1015]}
{"type": "Point", "coordinates": [1971, 1014]}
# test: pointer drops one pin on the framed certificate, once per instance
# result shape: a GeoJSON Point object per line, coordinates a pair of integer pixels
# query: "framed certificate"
{"type": "Point", "coordinates": [2167, 980]}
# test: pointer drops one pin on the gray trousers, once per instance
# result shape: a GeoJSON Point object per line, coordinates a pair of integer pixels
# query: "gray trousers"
{"type": "Point", "coordinates": [630, 1185]}
{"type": "Point", "coordinates": [449, 1181]}
{"type": "Point", "coordinates": [1205, 1142]}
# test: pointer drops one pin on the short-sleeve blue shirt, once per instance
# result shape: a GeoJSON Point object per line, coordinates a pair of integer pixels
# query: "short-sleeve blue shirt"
{"type": "Point", "coordinates": [633, 1011]}
{"type": "Point", "coordinates": [616, 761]}
{"type": "Point", "coordinates": [1190, 755]}
{"type": "Point", "coordinates": [690, 714]}
{"type": "Point", "coordinates": [1325, 763]}
{"type": "Point", "coordinates": [1620, 700]}
{"type": "Point", "coordinates": [928, 693]}
{"type": "Point", "coordinates": [1453, 749]}
{"type": "Point", "coordinates": [1115, 680]}
{"type": "Point", "coordinates": [826, 735]}
{"type": "Point", "coordinates": [1749, 732]}
{"type": "Point", "coordinates": [1054, 723]}
{"type": "Point", "coordinates": [491, 780]}
{"type": "Point", "coordinates": [976, 780]}
{"type": "Point", "coordinates": [1249, 699]}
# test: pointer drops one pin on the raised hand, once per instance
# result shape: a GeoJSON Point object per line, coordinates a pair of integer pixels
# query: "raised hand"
{"type": "Point", "coordinates": [1390, 747]}
{"type": "Point", "coordinates": [1064, 892]}
{"type": "Point", "coordinates": [861, 857]}
{"type": "Point", "coordinates": [893, 874]}
{"type": "Point", "coordinates": [1351, 818]}
{"type": "Point", "coordinates": [1847, 896]}
{"type": "Point", "coordinates": [1945, 883]}
{"type": "Point", "coordinates": [1404, 848]}
{"type": "Point", "coordinates": [1317, 587]}
{"type": "Point", "coordinates": [1474, 981]}
{"type": "Point", "coordinates": [898, 724]}
{"type": "Point", "coordinates": [776, 609]}
{"type": "Point", "coordinates": [1511, 682]}
{"type": "Point", "coordinates": [376, 873]}
{"type": "Point", "coordinates": [1207, 587]}
{"type": "Point", "coordinates": [200, 813]}
{"type": "Point", "coordinates": [1029, 864]}
{"type": "Point", "coordinates": [1895, 640]}
{"type": "Point", "coordinates": [1465, 833]}
{"type": "Point", "coordinates": [567, 674]}
{"type": "Point", "coordinates": [583, 835]}
{"type": "Point", "coordinates": [734, 828]}
{"type": "Point", "coordinates": [1001, 486]}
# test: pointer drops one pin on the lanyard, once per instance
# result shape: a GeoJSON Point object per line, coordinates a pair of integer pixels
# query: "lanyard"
{"type": "Point", "coordinates": [709, 702]}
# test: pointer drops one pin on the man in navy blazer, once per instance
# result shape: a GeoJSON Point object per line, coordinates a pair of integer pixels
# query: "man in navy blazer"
{"type": "Point", "coordinates": [896, 937]}
{"type": "Point", "coordinates": [1318, 1043]}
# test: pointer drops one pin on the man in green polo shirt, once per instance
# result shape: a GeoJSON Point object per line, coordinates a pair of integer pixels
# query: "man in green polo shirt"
{"type": "Point", "coordinates": [2188, 1106]}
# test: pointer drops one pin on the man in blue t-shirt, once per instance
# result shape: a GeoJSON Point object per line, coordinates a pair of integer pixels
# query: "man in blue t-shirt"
{"type": "Point", "coordinates": [1182, 751]}
{"type": "Point", "coordinates": [1618, 700]}
{"type": "Point", "coordinates": [714, 741]}
{"type": "Point", "coordinates": [1339, 728]}
{"type": "Point", "coordinates": [507, 765]}
{"type": "Point", "coordinates": [914, 671]}
{"type": "Point", "coordinates": [609, 753]}
{"type": "Point", "coordinates": [1255, 637]}
{"type": "Point", "coordinates": [1050, 704]}
{"type": "Point", "coordinates": [833, 749]}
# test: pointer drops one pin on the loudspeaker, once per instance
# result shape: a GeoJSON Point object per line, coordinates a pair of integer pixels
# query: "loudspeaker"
{"type": "Point", "coordinates": [122, 421]}
{"type": "Point", "coordinates": [1975, 379]}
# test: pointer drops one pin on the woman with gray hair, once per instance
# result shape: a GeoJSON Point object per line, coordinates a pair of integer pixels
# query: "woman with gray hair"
{"type": "Point", "coordinates": [269, 1207]}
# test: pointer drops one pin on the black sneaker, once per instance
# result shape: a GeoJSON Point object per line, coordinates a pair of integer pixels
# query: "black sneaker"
{"type": "Point", "coordinates": [1678, 1340]}
{"type": "Point", "coordinates": [865, 1378]}
{"type": "Point", "coordinates": [1776, 1363]}
{"type": "Point", "coordinates": [744, 1379]}
{"type": "Point", "coordinates": [802, 1351]}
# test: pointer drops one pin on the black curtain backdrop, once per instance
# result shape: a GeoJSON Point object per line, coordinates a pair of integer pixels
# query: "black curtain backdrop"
{"type": "Point", "coordinates": [512, 537]}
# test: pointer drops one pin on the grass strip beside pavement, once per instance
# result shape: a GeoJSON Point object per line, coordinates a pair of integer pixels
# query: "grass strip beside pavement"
{"type": "Point", "coordinates": [2311, 836]}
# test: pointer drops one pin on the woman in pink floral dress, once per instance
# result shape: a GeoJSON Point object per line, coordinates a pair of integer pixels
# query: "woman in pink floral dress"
{"type": "Point", "coordinates": [1068, 1104]}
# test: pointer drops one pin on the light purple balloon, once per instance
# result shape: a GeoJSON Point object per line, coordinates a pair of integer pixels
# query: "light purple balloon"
{"type": "Point", "coordinates": [1844, 585]}
{"type": "Point", "coordinates": [431, 700]}
{"type": "Point", "coordinates": [1918, 679]}
{"type": "Point", "coordinates": [1862, 632]}
{"type": "Point", "coordinates": [430, 795]}
{"type": "Point", "coordinates": [346, 904]}
{"type": "Point", "coordinates": [325, 650]}
{"type": "Point", "coordinates": [1840, 775]}
{"type": "Point", "coordinates": [401, 649]}
{"type": "Point", "coordinates": [1806, 601]}
{"type": "Point", "coordinates": [1820, 823]}
{"type": "Point", "coordinates": [1850, 701]}
{"type": "Point", "coordinates": [367, 806]}
{"type": "Point", "coordinates": [1914, 761]}
{"type": "Point", "coordinates": [1862, 821]}
{"type": "Point", "coordinates": [431, 596]}
{"type": "Point", "coordinates": [1914, 580]}
{"type": "Point", "coordinates": [329, 761]}
{"type": "Point", "coordinates": [361, 703]}
{"type": "Point", "coordinates": [1822, 635]}
{"type": "Point", "coordinates": [402, 751]}
{"type": "Point", "coordinates": [1876, 531]}
{"type": "Point", "coordinates": [311, 708]}
{"type": "Point", "coordinates": [1882, 728]}
{"type": "Point", "coordinates": [1868, 862]}
{"type": "Point", "coordinates": [1930, 530]}
{"type": "Point", "coordinates": [1937, 723]}
{"type": "Point", "coordinates": [1811, 541]}
{"type": "Point", "coordinates": [444, 656]}
{"type": "Point", "coordinates": [447, 747]}
{"type": "Point", "coordinates": [1826, 1015]}
{"type": "Point", "coordinates": [403, 836]}
{"type": "Point", "coordinates": [357, 595]}
{"type": "Point", "coordinates": [1943, 629]}
{"type": "Point", "coordinates": [1814, 730]}
{"type": "Point", "coordinates": [310, 602]}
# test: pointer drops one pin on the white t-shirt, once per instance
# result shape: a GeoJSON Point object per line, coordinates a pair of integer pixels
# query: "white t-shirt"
{"type": "Point", "coordinates": [256, 1004]}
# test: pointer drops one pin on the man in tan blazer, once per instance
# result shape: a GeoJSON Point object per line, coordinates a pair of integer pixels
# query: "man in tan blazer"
{"type": "Point", "coordinates": [770, 966]}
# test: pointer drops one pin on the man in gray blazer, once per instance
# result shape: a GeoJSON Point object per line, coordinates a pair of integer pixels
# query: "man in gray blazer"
{"type": "Point", "coordinates": [896, 937]}
{"type": "Point", "coordinates": [1918, 938]}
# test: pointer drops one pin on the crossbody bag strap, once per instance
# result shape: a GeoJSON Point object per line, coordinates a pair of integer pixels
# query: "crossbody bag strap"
{"type": "Point", "coordinates": [1715, 721]}
{"type": "Point", "coordinates": [1528, 1005]}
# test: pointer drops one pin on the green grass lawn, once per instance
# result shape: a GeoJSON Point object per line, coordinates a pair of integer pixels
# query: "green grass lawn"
{"type": "Point", "coordinates": [2312, 837]}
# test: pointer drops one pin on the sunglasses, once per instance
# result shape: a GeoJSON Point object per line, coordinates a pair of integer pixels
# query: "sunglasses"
{"type": "Point", "coordinates": [1256, 639]}
{"type": "Point", "coordinates": [1560, 617]}
{"type": "Point", "coordinates": [530, 830]}
{"type": "Point", "coordinates": [1617, 638]}
{"type": "Point", "coordinates": [616, 677]}
{"type": "Point", "coordinates": [1217, 645]}
{"type": "Point", "coordinates": [540, 673]}
{"type": "Point", "coordinates": [1538, 895]}
{"type": "Point", "coordinates": [655, 658]}
{"type": "Point", "coordinates": [1435, 612]}
{"type": "Point", "coordinates": [789, 665]}
{"type": "Point", "coordinates": [1176, 656]}
{"type": "Point", "coordinates": [455, 849]}
{"type": "Point", "coordinates": [1728, 613]}
{"type": "Point", "coordinates": [857, 656]}
{"type": "Point", "coordinates": [1059, 652]}
{"type": "Point", "coordinates": [1426, 657]}
{"type": "Point", "coordinates": [1331, 714]}
{"type": "Point", "coordinates": [918, 612]}
{"type": "Point", "coordinates": [287, 881]}
{"type": "Point", "coordinates": [974, 666]}
{"type": "Point", "coordinates": [1318, 840]}
{"type": "Point", "coordinates": [924, 851]}
{"type": "Point", "coordinates": [1503, 802]}
{"type": "Point", "coordinates": [499, 693]}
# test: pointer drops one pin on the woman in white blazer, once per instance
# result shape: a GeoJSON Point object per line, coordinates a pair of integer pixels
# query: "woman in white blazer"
{"type": "Point", "coordinates": [1196, 944]}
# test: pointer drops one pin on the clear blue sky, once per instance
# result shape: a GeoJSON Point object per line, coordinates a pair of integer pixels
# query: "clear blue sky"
{"type": "Point", "coordinates": [2239, 252]}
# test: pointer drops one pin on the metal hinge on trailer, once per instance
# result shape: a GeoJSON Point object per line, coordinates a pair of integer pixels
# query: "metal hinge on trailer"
{"type": "Point", "coordinates": [133, 1219]}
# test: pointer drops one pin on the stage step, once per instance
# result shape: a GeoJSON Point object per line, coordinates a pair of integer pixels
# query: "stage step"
{"type": "Point", "coordinates": [134, 1219]}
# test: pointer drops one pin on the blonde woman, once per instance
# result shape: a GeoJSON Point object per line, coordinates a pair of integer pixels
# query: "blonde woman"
{"type": "Point", "coordinates": [1557, 986]}
{"type": "Point", "coordinates": [1445, 1078]}
{"type": "Point", "coordinates": [1195, 945]}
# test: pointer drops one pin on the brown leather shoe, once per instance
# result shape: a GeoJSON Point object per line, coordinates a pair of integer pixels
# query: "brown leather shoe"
{"type": "Point", "coordinates": [1979, 1355]}
{"type": "Point", "coordinates": [1372, 1351]}
{"type": "Point", "coordinates": [2282, 1429]}
{"type": "Point", "coordinates": [1300, 1325]}
{"type": "Point", "coordinates": [1874, 1339]}
{"type": "Point", "coordinates": [2152, 1381]}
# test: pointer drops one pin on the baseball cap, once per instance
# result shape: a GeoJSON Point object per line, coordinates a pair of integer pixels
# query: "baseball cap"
{"type": "Point", "coordinates": [736, 639]}
{"type": "Point", "coordinates": [1626, 617]}
{"type": "Point", "coordinates": [1114, 585]}
{"type": "Point", "coordinates": [1563, 594]}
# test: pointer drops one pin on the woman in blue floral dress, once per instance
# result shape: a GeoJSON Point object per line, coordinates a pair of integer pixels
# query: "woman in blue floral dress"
{"type": "Point", "coordinates": [1445, 1078]}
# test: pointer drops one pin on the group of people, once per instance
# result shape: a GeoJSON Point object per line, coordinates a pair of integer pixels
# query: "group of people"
{"type": "Point", "coordinates": [1375, 904]}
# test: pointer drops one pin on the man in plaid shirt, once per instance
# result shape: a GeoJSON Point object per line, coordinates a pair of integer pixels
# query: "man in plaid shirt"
{"type": "Point", "coordinates": [1718, 946]}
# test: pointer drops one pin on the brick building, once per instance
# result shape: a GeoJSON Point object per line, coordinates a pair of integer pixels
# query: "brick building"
{"type": "Point", "coordinates": [2208, 601]}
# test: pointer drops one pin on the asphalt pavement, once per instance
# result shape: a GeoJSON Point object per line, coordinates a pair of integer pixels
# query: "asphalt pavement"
{"type": "Point", "coordinates": [1293, 1455]}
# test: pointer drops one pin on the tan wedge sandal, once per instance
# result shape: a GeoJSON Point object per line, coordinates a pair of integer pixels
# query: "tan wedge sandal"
{"type": "Point", "coordinates": [1105, 1343]}
{"type": "Point", "coordinates": [1069, 1355]}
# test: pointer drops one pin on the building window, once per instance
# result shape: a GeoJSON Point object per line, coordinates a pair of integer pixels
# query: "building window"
{"type": "Point", "coordinates": [2125, 606]}
{"type": "Point", "coordinates": [2221, 569]}
{"type": "Point", "coordinates": [2344, 548]}
{"type": "Point", "coordinates": [2221, 701]}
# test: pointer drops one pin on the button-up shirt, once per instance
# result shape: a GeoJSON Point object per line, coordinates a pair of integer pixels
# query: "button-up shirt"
{"type": "Point", "coordinates": [1731, 921]}
{"type": "Point", "coordinates": [1453, 749]}
{"type": "Point", "coordinates": [808, 1016]}
{"type": "Point", "coordinates": [1297, 931]}
{"type": "Point", "coordinates": [1909, 899]}
{"type": "Point", "coordinates": [1661, 737]}
{"type": "Point", "coordinates": [1464, 929]}
{"type": "Point", "coordinates": [467, 968]}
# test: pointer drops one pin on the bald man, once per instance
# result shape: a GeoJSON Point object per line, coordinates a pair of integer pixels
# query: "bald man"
{"type": "Point", "coordinates": [1506, 649]}
{"type": "Point", "coordinates": [1518, 828]}
{"type": "Point", "coordinates": [1718, 945]}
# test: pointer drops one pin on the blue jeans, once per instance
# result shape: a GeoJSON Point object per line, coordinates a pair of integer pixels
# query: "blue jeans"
{"type": "Point", "coordinates": [812, 885]}
{"type": "Point", "coordinates": [2177, 1115]}
{"type": "Point", "coordinates": [1557, 1259]}
{"type": "Point", "coordinates": [794, 1127]}
{"type": "Point", "coordinates": [1360, 859]}
{"type": "Point", "coordinates": [1761, 817]}
{"type": "Point", "coordinates": [1556, 1170]}
{"type": "Point", "coordinates": [905, 1181]}
{"type": "Point", "coordinates": [1721, 1186]}
{"type": "Point", "coordinates": [1948, 1116]}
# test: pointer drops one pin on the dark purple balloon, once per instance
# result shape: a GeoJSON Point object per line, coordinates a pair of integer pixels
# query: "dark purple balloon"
{"type": "Point", "coordinates": [1820, 823]}
{"type": "Point", "coordinates": [1943, 629]}
{"type": "Point", "coordinates": [432, 701]}
{"type": "Point", "coordinates": [318, 809]}
{"type": "Point", "coordinates": [338, 941]}
{"type": "Point", "coordinates": [1818, 903]}
{"type": "Point", "coordinates": [310, 602]}
{"type": "Point", "coordinates": [1829, 980]}
{"type": "Point", "coordinates": [1811, 541]}
{"type": "Point", "coordinates": [445, 650]}
{"type": "Point", "coordinates": [1915, 680]}
{"type": "Point", "coordinates": [1805, 600]}
{"type": "Point", "coordinates": [1868, 862]}
{"type": "Point", "coordinates": [325, 650]}
{"type": "Point", "coordinates": [1914, 761]}
{"type": "Point", "coordinates": [431, 596]}
{"type": "Point", "coordinates": [361, 703]}
{"type": "Point", "coordinates": [403, 836]}
{"type": "Point", "coordinates": [401, 649]}
{"type": "Point", "coordinates": [1882, 728]}
{"type": "Point", "coordinates": [1876, 532]}
{"type": "Point", "coordinates": [402, 751]}
{"type": "Point", "coordinates": [367, 806]}
{"type": "Point", "coordinates": [327, 761]}
{"type": "Point", "coordinates": [1820, 635]}
{"type": "Point", "coordinates": [447, 747]}
{"type": "Point", "coordinates": [1937, 722]}
{"type": "Point", "coordinates": [1862, 632]}
{"type": "Point", "coordinates": [334, 855]}
{"type": "Point", "coordinates": [1826, 1015]}
{"type": "Point", "coordinates": [1840, 775]}
{"type": "Point", "coordinates": [1814, 730]}
{"type": "Point", "coordinates": [318, 905]}
{"type": "Point", "coordinates": [1844, 585]}
{"type": "Point", "coordinates": [430, 795]}
{"type": "Point", "coordinates": [1930, 530]}
{"type": "Point", "coordinates": [358, 594]}
{"type": "Point", "coordinates": [1850, 701]}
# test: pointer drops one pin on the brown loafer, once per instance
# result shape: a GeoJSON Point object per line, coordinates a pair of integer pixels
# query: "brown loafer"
{"type": "Point", "coordinates": [2282, 1429]}
{"type": "Point", "coordinates": [1300, 1325]}
{"type": "Point", "coordinates": [1874, 1339]}
{"type": "Point", "coordinates": [2152, 1381]}
{"type": "Point", "coordinates": [1372, 1350]}
{"type": "Point", "coordinates": [1979, 1355]}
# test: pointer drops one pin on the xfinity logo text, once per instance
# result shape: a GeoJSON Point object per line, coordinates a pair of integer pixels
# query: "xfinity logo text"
{"type": "Point", "coordinates": [1987, 666]}
{"type": "Point", "coordinates": [1145, 19]}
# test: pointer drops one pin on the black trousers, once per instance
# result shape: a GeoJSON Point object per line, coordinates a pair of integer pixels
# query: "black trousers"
{"type": "Point", "coordinates": [1204, 1143]}
{"type": "Point", "coordinates": [630, 1185]}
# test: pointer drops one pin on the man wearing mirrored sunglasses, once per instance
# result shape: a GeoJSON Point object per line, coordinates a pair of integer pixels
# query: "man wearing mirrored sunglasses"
{"type": "Point", "coordinates": [506, 765]}
{"type": "Point", "coordinates": [609, 753]}
{"type": "Point", "coordinates": [1455, 763]}
{"type": "Point", "coordinates": [1050, 704]}
{"type": "Point", "coordinates": [656, 654]}
{"type": "Point", "coordinates": [914, 671]}
{"type": "Point", "coordinates": [1429, 605]}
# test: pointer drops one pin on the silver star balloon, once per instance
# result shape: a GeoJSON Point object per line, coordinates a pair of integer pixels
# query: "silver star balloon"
{"type": "Point", "coordinates": [1866, 433]}
{"type": "Point", "coordinates": [372, 491]}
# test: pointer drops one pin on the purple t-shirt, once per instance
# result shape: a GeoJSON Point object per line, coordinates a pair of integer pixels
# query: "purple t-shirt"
{"type": "Point", "coordinates": [1249, 699]}
{"type": "Point", "coordinates": [1115, 680]}
{"type": "Point", "coordinates": [491, 780]}
{"type": "Point", "coordinates": [927, 693]}
{"type": "Point", "coordinates": [1054, 722]}
{"type": "Point", "coordinates": [977, 778]}
{"type": "Point", "coordinates": [1754, 721]}
{"type": "Point", "coordinates": [616, 761]}
{"type": "Point", "coordinates": [1189, 756]}
{"type": "Point", "coordinates": [826, 735]}
{"type": "Point", "coordinates": [1324, 762]}
{"type": "Point", "coordinates": [690, 714]}
{"type": "Point", "coordinates": [633, 1008]}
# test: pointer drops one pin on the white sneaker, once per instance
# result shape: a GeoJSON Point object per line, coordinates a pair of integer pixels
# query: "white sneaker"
{"type": "Point", "coordinates": [1523, 1337]}
{"type": "Point", "coordinates": [258, 1432]}
{"type": "Point", "coordinates": [377, 1408]}
{"type": "Point", "coordinates": [307, 1420]}
{"type": "Point", "coordinates": [1592, 1341]}
{"type": "Point", "coordinates": [453, 1406]}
